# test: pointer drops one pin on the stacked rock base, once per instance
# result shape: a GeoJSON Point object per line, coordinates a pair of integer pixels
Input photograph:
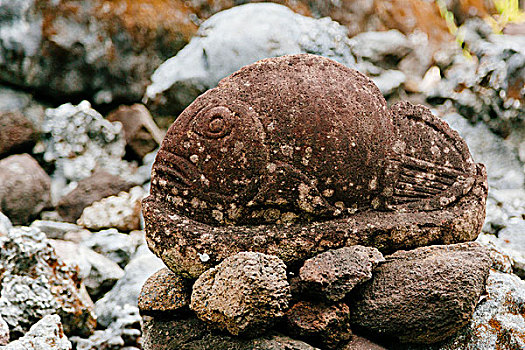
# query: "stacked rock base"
{"type": "Point", "coordinates": [251, 300]}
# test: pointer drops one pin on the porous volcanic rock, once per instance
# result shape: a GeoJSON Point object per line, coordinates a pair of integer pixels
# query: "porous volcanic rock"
{"type": "Point", "coordinates": [17, 134]}
{"type": "Point", "coordinates": [258, 164]}
{"type": "Point", "coordinates": [190, 333]}
{"type": "Point", "coordinates": [164, 291]}
{"type": "Point", "coordinates": [103, 50]}
{"type": "Point", "coordinates": [25, 189]}
{"type": "Point", "coordinates": [140, 131]}
{"type": "Point", "coordinates": [36, 283]}
{"type": "Point", "coordinates": [334, 273]}
{"type": "Point", "coordinates": [244, 294]}
{"type": "Point", "coordinates": [423, 295]}
{"type": "Point", "coordinates": [325, 325]}
{"type": "Point", "coordinates": [99, 185]}
{"type": "Point", "coordinates": [46, 334]}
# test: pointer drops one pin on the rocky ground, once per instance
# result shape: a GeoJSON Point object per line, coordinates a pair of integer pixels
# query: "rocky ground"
{"type": "Point", "coordinates": [73, 257]}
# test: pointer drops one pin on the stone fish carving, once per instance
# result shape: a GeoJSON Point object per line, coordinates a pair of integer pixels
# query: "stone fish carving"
{"type": "Point", "coordinates": [295, 155]}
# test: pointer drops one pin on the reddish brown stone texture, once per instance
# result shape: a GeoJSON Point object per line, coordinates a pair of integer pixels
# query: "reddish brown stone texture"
{"type": "Point", "coordinates": [296, 155]}
{"type": "Point", "coordinates": [140, 131]}
{"type": "Point", "coordinates": [424, 295]}
{"type": "Point", "coordinates": [99, 185]}
{"type": "Point", "coordinates": [164, 291]}
{"type": "Point", "coordinates": [17, 133]}
{"type": "Point", "coordinates": [327, 326]}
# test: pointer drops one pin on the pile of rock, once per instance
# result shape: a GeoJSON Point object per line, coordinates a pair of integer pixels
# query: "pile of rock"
{"type": "Point", "coordinates": [269, 252]}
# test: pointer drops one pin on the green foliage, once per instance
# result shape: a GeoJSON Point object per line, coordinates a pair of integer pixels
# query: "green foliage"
{"type": "Point", "coordinates": [508, 12]}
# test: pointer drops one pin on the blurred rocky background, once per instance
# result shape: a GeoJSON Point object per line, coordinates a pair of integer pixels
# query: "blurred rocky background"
{"type": "Point", "coordinates": [89, 87]}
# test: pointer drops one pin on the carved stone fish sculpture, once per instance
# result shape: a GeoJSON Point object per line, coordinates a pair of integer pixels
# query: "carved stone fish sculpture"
{"type": "Point", "coordinates": [295, 155]}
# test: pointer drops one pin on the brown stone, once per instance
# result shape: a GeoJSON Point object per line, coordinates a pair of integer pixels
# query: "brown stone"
{"type": "Point", "coordinates": [164, 291]}
{"type": "Point", "coordinates": [423, 295]}
{"type": "Point", "coordinates": [324, 325]}
{"type": "Point", "coordinates": [140, 131]}
{"type": "Point", "coordinates": [89, 190]}
{"type": "Point", "coordinates": [190, 333]}
{"type": "Point", "coordinates": [17, 133]}
{"type": "Point", "coordinates": [245, 294]}
{"type": "Point", "coordinates": [260, 164]}
{"type": "Point", "coordinates": [334, 273]}
{"type": "Point", "coordinates": [360, 343]}
{"type": "Point", "coordinates": [24, 190]}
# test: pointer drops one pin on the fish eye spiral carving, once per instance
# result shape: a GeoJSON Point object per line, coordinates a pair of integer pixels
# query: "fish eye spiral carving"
{"type": "Point", "coordinates": [214, 123]}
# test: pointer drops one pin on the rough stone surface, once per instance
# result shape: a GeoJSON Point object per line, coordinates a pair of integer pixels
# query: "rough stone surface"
{"type": "Point", "coordinates": [98, 273]}
{"type": "Point", "coordinates": [116, 246]}
{"type": "Point", "coordinates": [125, 293]}
{"type": "Point", "coordinates": [25, 189]}
{"type": "Point", "coordinates": [424, 295]}
{"type": "Point", "coordinates": [360, 343]}
{"type": "Point", "coordinates": [104, 50]}
{"type": "Point", "coordinates": [189, 333]}
{"type": "Point", "coordinates": [5, 224]}
{"type": "Point", "coordinates": [91, 189]}
{"type": "Point", "coordinates": [498, 321]}
{"type": "Point", "coordinates": [244, 294]}
{"type": "Point", "coordinates": [334, 273]}
{"type": "Point", "coordinates": [36, 283]}
{"type": "Point", "coordinates": [325, 325]}
{"type": "Point", "coordinates": [234, 38]}
{"type": "Point", "coordinates": [17, 134]}
{"type": "Point", "coordinates": [79, 141]}
{"type": "Point", "coordinates": [4, 332]}
{"type": "Point", "coordinates": [121, 212]}
{"type": "Point", "coordinates": [164, 291]}
{"type": "Point", "coordinates": [140, 131]}
{"type": "Point", "coordinates": [46, 334]}
{"type": "Point", "coordinates": [260, 162]}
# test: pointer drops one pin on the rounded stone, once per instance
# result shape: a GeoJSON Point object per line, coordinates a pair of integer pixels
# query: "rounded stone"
{"type": "Point", "coordinates": [245, 294]}
{"type": "Point", "coordinates": [299, 154]}
{"type": "Point", "coordinates": [164, 291]}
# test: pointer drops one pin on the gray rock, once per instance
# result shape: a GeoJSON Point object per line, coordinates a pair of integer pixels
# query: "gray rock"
{"type": "Point", "coordinates": [5, 224]}
{"type": "Point", "coordinates": [98, 273]}
{"type": "Point", "coordinates": [46, 334]}
{"type": "Point", "coordinates": [498, 321]}
{"type": "Point", "coordinates": [35, 283]}
{"type": "Point", "coordinates": [116, 246]}
{"type": "Point", "coordinates": [234, 38]}
{"type": "Point", "coordinates": [122, 212]}
{"type": "Point", "coordinates": [55, 229]}
{"type": "Point", "coordinates": [423, 295]}
{"type": "Point", "coordinates": [18, 101]}
{"type": "Point", "coordinates": [104, 51]}
{"type": "Point", "coordinates": [4, 332]}
{"type": "Point", "coordinates": [380, 47]}
{"type": "Point", "coordinates": [79, 140]}
{"type": "Point", "coordinates": [244, 294]}
{"type": "Point", "coordinates": [125, 293]}
{"type": "Point", "coordinates": [334, 273]}
{"type": "Point", "coordinates": [25, 189]}
{"type": "Point", "coordinates": [504, 169]}
{"type": "Point", "coordinates": [190, 333]}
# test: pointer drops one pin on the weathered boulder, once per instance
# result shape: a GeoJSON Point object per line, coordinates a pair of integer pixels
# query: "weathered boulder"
{"type": "Point", "coordinates": [25, 189]}
{"type": "Point", "coordinates": [36, 283]}
{"type": "Point", "coordinates": [164, 291]}
{"type": "Point", "coordinates": [190, 333]}
{"type": "Point", "coordinates": [140, 131]}
{"type": "Point", "coordinates": [334, 273]}
{"type": "Point", "coordinates": [245, 294]}
{"type": "Point", "coordinates": [121, 212]}
{"type": "Point", "coordinates": [237, 37]}
{"type": "Point", "coordinates": [99, 185]}
{"type": "Point", "coordinates": [17, 133]}
{"type": "Point", "coordinates": [103, 50]}
{"type": "Point", "coordinates": [327, 326]}
{"type": "Point", "coordinates": [423, 295]}
{"type": "Point", "coordinates": [46, 334]}
{"type": "Point", "coordinates": [259, 162]}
